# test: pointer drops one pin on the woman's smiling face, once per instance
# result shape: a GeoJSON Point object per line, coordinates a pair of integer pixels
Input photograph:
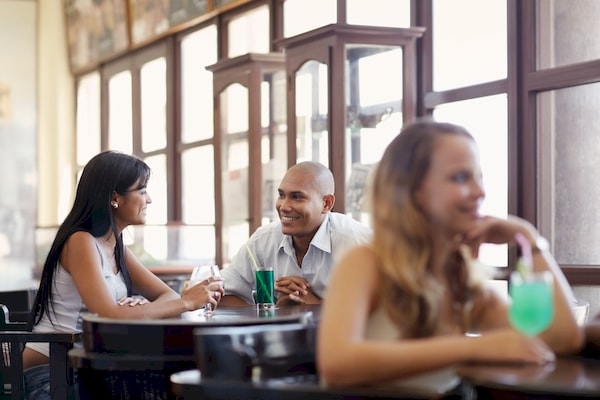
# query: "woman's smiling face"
{"type": "Point", "coordinates": [452, 191]}
{"type": "Point", "coordinates": [132, 206]}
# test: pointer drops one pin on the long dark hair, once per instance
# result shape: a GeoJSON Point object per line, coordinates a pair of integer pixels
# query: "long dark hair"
{"type": "Point", "coordinates": [106, 173]}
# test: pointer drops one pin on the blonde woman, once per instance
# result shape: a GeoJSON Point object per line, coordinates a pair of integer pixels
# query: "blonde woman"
{"type": "Point", "coordinates": [399, 308]}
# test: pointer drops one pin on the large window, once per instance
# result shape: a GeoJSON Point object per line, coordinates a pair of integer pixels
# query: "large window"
{"type": "Point", "coordinates": [564, 84]}
{"type": "Point", "coordinates": [570, 143]}
{"type": "Point", "coordinates": [521, 75]}
{"type": "Point", "coordinates": [468, 50]}
{"type": "Point", "coordinates": [196, 149]}
{"type": "Point", "coordinates": [485, 118]}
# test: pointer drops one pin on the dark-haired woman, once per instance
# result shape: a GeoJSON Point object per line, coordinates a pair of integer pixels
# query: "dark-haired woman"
{"type": "Point", "coordinates": [89, 269]}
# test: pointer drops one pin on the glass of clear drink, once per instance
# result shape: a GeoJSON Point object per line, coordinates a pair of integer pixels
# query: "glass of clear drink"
{"type": "Point", "coordinates": [203, 272]}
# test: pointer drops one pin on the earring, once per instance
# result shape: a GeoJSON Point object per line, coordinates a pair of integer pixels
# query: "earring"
{"type": "Point", "coordinates": [114, 205]}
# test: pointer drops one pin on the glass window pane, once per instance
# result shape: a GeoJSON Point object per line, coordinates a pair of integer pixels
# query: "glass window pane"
{"type": "Point", "coordinates": [171, 245]}
{"type": "Point", "coordinates": [570, 153]}
{"type": "Point", "coordinates": [311, 113]}
{"type": "Point", "coordinates": [301, 16]}
{"type": "Point", "coordinates": [198, 185]}
{"type": "Point", "coordinates": [234, 100]}
{"type": "Point", "coordinates": [88, 117]}
{"type": "Point", "coordinates": [120, 113]}
{"type": "Point", "coordinates": [567, 32]}
{"type": "Point", "coordinates": [249, 32]}
{"type": "Point", "coordinates": [149, 243]}
{"type": "Point", "coordinates": [198, 50]}
{"type": "Point", "coordinates": [197, 244]}
{"type": "Point", "coordinates": [265, 89]}
{"type": "Point", "coordinates": [486, 119]}
{"type": "Point", "coordinates": [234, 237]}
{"type": "Point", "coordinates": [394, 13]}
{"type": "Point", "coordinates": [469, 42]}
{"type": "Point", "coordinates": [157, 189]}
{"type": "Point", "coordinates": [153, 82]}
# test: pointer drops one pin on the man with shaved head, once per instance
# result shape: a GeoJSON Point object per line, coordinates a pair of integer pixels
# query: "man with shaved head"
{"type": "Point", "coordinates": [302, 246]}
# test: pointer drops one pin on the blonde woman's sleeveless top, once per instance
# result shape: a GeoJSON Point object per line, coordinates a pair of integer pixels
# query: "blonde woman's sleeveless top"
{"type": "Point", "coordinates": [381, 327]}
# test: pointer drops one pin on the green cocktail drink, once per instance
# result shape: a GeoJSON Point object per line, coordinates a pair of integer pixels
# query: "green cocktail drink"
{"type": "Point", "coordinates": [265, 287]}
{"type": "Point", "coordinates": [532, 307]}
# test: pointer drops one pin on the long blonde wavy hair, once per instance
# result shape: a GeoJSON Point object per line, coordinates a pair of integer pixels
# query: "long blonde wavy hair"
{"type": "Point", "coordinates": [402, 235]}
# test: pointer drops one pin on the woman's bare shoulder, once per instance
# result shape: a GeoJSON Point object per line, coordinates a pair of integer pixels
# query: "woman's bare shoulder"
{"type": "Point", "coordinates": [359, 260]}
{"type": "Point", "coordinates": [81, 238]}
{"type": "Point", "coordinates": [359, 254]}
{"type": "Point", "coordinates": [79, 244]}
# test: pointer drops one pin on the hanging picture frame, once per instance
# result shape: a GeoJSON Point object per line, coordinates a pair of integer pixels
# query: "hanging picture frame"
{"type": "Point", "coordinates": [96, 31]}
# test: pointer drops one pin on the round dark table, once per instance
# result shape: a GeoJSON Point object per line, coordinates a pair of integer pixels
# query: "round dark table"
{"type": "Point", "coordinates": [120, 356]}
{"type": "Point", "coordinates": [189, 385]}
{"type": "Point", "coordinates": [573, 377]}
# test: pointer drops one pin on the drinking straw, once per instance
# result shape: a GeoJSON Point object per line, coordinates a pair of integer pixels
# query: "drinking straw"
{"type": "Point", "coordinates": [260, 282]}
{"type": "Point", "coordinates": [525, 262]}
{"type": "Point", "coordinates": [252, 257]}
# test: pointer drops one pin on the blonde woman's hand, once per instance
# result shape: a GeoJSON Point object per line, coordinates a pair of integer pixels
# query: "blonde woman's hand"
{"type": "Point", "coordinates": [132, 301]}
{"type": "Point", "coordinates": [497, 230]}
{"type": "Point", "coordinates": [508, 345]}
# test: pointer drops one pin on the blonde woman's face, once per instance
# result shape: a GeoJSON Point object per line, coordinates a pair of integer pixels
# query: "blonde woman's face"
{"type": "Point", "coordinates": [452, 191]}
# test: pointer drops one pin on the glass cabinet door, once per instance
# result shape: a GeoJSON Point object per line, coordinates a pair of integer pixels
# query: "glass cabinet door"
{"type": "Point", "coordinates": [273, 140]}
{"type": "Point", "coordinates": [374, 114]}
{"type": "Point", "coordinates": [234, 167]}
{"type": "Point", "coordinates": [352, 88]}
{"type": "Point", "coordinates": [251, 144]}
{"type": "Point", "coordinates": [312, 114]}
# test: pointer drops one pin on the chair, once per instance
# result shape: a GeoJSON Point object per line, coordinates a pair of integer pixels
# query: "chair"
{"type": "Point", "coordinates": [13, 337]}
{"type": "Point", "coordinates": [19, 302]}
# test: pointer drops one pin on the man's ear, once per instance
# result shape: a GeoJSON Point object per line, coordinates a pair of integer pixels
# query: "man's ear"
{"type": "Point", "coordinates": [328, 202]}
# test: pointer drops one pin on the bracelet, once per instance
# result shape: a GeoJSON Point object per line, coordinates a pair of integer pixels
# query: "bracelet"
{"type": "Point", "coordinates": [540, 245]}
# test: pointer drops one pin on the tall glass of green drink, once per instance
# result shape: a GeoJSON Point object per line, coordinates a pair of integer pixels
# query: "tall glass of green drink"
{"type": "Point", "coordinates": [532, 307]}
{"type": "Point", "coordinates": [265, 283]}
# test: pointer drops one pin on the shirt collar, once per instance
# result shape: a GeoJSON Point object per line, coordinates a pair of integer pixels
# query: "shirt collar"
{"type": "Point", "coordinates": [321, 240]}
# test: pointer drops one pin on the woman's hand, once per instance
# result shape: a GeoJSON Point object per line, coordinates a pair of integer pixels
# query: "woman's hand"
{"type": "Point", "coordinates": [132, 301]}
{"type": "Point", "coordinates": [508, 345]}
{"type": "Point", "coordinates": [208, 291]}
{"type": "Point", "coordinates": [498, 231]}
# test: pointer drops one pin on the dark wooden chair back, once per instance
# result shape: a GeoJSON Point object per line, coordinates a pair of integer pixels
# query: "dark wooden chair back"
{"type": "Point", "coordinates": [13, 337]}
{"type": "Point", "coordinates": [19, 302]}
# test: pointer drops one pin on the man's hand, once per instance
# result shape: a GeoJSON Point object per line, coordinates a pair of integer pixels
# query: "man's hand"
{"type": "Point", "coordinates": [295, 298]}
{"type": "Point", "coordinates": [295, 290]}
{"type": "Point", "coordinates": [292, 284]}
